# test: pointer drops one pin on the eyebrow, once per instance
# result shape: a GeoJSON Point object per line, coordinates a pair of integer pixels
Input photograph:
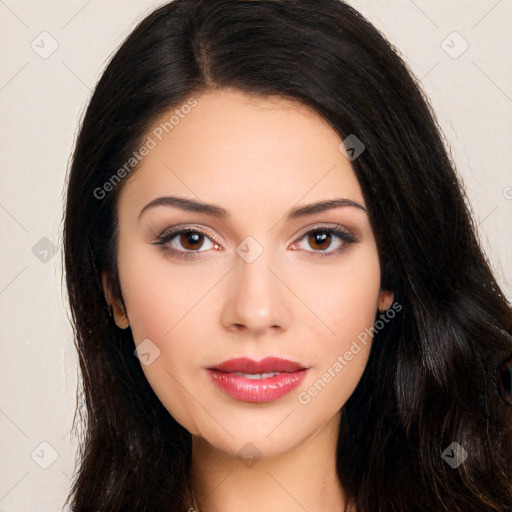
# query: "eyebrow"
{"type": "Point", "coordinates": [217, 211]}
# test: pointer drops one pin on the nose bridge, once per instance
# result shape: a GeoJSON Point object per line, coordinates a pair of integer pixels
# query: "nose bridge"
{"type": "Point", "coordinates": [256, 299]}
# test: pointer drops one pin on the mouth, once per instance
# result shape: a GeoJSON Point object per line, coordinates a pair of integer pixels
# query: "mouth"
{"type": "Point", "coordinates": [253, 381]}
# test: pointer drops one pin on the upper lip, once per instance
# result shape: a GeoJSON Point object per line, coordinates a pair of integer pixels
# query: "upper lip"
{"type": "Point", "coordinates": [266, 365]}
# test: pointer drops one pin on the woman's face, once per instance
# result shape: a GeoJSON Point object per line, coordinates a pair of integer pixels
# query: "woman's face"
{"type": "Point", "coordinates": [257, 276]}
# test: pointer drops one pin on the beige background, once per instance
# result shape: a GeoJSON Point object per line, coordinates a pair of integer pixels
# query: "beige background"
{"type": "Point", "coordinates": [42, 97]}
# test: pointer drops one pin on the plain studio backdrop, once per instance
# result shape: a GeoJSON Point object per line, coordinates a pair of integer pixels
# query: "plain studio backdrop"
{"type": "Point", "coordinates": [53, 52]}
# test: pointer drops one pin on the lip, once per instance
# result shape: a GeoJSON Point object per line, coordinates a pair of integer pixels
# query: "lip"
{"type": "Point", "coordinates": [266, 365]}
{"type": "Point", "coordinates": [290, 375]}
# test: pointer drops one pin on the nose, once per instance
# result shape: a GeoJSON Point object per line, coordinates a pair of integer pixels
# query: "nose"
{"type": "Point", "coordinates": [256, 302]}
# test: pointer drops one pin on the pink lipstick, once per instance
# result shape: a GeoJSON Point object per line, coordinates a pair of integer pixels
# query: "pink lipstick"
{"type": "Point", "coordinates": [257, 381]}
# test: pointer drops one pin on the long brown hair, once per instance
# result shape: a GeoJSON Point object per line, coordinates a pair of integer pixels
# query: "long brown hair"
{"type": "Point", "coordinates": [431, 377]}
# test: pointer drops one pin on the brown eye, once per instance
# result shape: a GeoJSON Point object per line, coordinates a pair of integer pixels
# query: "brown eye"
{"type": "Point", "coordinates": [319, 240]}
{"type": "Point", "coordinates": [186, 242]}
{"type": "Point", "coordinates": [192, 240]}
{"type": "Point", "coordinates": [325, 241]}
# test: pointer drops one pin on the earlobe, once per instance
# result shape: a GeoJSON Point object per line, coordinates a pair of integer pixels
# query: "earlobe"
{"type": "Point", "coordinates": [386, 298]}
{"type": "Point", "coordinates": [121, 319]}
{"type": "Point", "coordinates": [116, 309]}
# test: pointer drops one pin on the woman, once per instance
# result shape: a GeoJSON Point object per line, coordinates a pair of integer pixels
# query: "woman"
{"type": "Point", "coordinates": [278, 296]}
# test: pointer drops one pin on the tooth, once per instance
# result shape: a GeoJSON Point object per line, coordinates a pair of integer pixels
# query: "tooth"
{"type": "Point", "coordinates": [255, 376]}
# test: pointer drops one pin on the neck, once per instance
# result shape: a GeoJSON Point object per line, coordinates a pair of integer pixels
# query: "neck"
{"type": "Point", "coordinates": [303, 478]}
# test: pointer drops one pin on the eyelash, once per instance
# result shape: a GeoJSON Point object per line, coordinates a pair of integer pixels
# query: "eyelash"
{"type": "Point", "coordinates": [168, 235]}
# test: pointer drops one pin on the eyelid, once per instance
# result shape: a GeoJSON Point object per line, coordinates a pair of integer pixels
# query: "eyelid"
{"type": "Point", "coordinates": [174, 230]}
{"type": "Point", "coordinates": [327, 226]}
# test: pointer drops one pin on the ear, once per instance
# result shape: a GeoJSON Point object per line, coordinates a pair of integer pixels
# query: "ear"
{"type": "Point", "coordinates": [386, 298]}
{"type": "Point", "coordinates": [120, 317]}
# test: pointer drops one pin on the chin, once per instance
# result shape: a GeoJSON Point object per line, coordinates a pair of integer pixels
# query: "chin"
{"type": "Point", "coordinates": [252, 431]}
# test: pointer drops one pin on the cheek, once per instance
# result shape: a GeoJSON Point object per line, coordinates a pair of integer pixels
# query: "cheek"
{"type": "Point", "coordinates": [165, 306]}
{"type": "Point", "coordinates": [343, 296]}
{"type": "Point", "coordinates": [159, 314]}
{"type": "Point", "coordinates": [157, 293]}
{"type": "Point", "coordinates": [357, 294]}
{"type": "Point", "coordinates": [345, 302]}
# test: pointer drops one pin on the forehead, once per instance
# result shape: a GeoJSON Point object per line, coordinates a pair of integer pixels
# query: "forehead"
{"type": "Point", "coordinates": [242, 151]}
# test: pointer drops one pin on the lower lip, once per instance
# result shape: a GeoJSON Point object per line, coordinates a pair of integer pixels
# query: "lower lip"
{"type": "Point", "coordinates": [257, 390]}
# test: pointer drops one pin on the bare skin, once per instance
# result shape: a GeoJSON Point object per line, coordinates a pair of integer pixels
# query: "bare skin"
{"type": "Point", "coordinates": [257, 158]}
